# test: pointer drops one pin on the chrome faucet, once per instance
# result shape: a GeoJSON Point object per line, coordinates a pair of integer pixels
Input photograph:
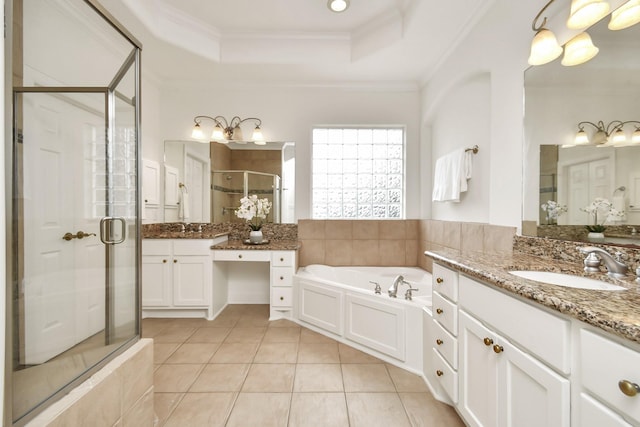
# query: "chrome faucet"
{"type": "Point", "coordinates": [615, 267]}
{"type": "Point", "coordinates": [393, 289]}
{"type": "Point", "coordinates": [408, 295]}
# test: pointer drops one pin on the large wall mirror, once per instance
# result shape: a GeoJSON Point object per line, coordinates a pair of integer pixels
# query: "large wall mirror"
{"type": "Point", "coordinates": [557, 99]}
{"type": "Point", "coordinates": [204, 182]}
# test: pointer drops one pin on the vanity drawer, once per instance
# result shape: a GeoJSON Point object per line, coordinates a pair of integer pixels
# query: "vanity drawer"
{"type": "Point", "coordinates": [445, 344]}
{"type": "Point", "coordinates": [283, 258]}
{"type": "Point", "coordinates": [445, 282]}
{"type": "Point", "coordinates": [281, 297]}
{"type": "Point", "coordinates": [158, 247]}
{"type": "Point", "coordinates": [254, 255]}
{"type": "Point", "coordinates": [446, 313]}
{"type": "Point", "coordinates": [192, 247]}
{"type": "Point", "coordinates": [445, 375]}
{"type": "Point", "coordinates": [541, 333]}
{"type": "Point", "coordinates": [282, 276]}
{"type": "Point", "coordinates": [604, 364]}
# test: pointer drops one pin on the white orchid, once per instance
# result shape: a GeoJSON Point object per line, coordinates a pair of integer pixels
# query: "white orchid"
{"type": "Point", "coordinates": [254, 211]}
{"type": "Point", "coordinates": [603, 209]}
{"type": "Point", "coordinates": [553, 209]}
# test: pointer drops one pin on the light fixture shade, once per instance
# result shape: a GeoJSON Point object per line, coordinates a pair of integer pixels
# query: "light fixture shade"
{"type": "Point", "coordinates": [217, 134]}
{"type": "Point", "coordinates": [338, 5]}
{"type": "Point", "coordinates": [257, 137]}
{"type": "Point", "coordinates": [618, 137]}
{"type": "Point", "coordinates": [600, 138]}
{"type": "Point", "coordinates": [581, 137]}
{"type": "Point", "coordinates": [579, 50]}
{"type": "Point", "coordinates": [236, 135]}
{"type": "Point", "coordinates": [544, 48]}
{"type": "Point", "coordinates": [635, 137]}
{"type": "Point", "coordinates": [197, 133]}
{"type": "Point", "coordinates": [585, 13]}
{"type": "Point", "coordinates": [625, 16]}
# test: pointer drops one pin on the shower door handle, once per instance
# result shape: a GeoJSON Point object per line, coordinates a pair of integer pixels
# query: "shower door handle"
{"type": "Point", "coordinates": [109, 233]}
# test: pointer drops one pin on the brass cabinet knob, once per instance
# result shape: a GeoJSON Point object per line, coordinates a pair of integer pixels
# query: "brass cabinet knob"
{"type": "Point", "coordinates": [281, 259]}
{"type": "Point", "coordinates": [488, 341]}
{"type": "Point", "coordinates": [164, 261]}
{"type": "Point", "coordinates": [69, 236]}
{"type": "Point", "coordinates": [439, 280]}
{"type": "Point", "coordinates": [240, 256]}
{"type": "Point", "coordinates": [628, 388]}
{"type": "Point", "coordinates": [175, 261]}
{"type": "Point", "coordinates": [439, 373]}
{"type": "Point", "coordinates": [281, 298]}
{"type": "Point", "coordinates": [439, 341]}
{"type": "Point", "coordinates": [439, 311]}
{"type": "Point", "coordinates": [281, 278]}
{"type": "Point", "coordinates": [498, 349]}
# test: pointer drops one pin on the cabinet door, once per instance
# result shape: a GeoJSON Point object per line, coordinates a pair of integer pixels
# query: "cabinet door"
{"type": "Point", "coordinates": [594, 414]}
{"type": "Point", "coordinates": [156, 281]}
{"type": "Point", "coordinates": [478, 366]}
{"type": "Point", "coordinates": [191, 280]}
{"type": "Point", "coordinates": [151, 182]}
{"type": "Point", "coordinates": [529, 393]}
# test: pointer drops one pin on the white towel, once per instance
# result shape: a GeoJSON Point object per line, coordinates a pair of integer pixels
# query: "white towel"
{"type": "Point", "coordinates": [183, 208]}
{"type": "Point", "coordinates": [451, 174]}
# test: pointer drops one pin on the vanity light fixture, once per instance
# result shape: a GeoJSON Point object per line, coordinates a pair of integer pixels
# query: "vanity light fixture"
{"type": "Point", "coordinates": [585, 13]}
{"type": "Point", "coordinates": [544, 46]}
{"type": "Point", "coordinates": [606, 136]}
{"type": "Point", "coordinates": [625, 16]}
{"type": "Point", "coordinates": [338, 5]}
{"type": "Point", "coordinates": [226, 131]}
{"type": "Point", "coordinates": [579, 50]}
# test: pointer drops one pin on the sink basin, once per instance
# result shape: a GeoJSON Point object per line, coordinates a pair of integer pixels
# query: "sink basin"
{"type": "Point", "coordinates": [567, 280]}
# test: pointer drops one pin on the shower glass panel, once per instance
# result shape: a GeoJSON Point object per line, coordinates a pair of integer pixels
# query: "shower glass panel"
{"type": "Point", "coordinates": [74, 263]}
{"type": "Point", "coordinates": [229, 186]}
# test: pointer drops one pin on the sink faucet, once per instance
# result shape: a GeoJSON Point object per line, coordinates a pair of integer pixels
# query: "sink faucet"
{"type": "Point", "coordinates": [615, 267]}
{"type": "Point", "coordinates": [393, 289]}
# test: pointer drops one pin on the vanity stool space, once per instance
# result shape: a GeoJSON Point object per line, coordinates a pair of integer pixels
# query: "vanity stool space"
{"type": "Point", "coordinates": [282, 266]}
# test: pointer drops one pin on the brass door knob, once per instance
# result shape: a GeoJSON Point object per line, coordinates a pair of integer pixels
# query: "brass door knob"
{"type": "Point", "coordinates": [439, 280]}
{"type": "Point", "coordinates": [628, 388]}
{"type": "Point", "coordinates": [439, 373]}
{"type": "Point", "coordinates": [498, 348]}
{"type": "Point", "coordinates": [82, 234]}
{"type": "Point", "coordinates": [69, 236]}
{"type": "Point", "coordinates": [439, 342]}
{"type": "Point", "coordinates": [439, 311]}
{"type": "Point", "coordinates": [488, 341]}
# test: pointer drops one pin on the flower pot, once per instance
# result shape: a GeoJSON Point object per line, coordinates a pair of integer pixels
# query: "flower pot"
{"type": "Point", "coordinates": [255, 236]}
{"type": "Point", "coordinates": [595, 236]}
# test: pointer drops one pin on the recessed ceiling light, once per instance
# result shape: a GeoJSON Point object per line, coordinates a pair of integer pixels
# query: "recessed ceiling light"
{"type": "Point", "coordinates": [338, 5]}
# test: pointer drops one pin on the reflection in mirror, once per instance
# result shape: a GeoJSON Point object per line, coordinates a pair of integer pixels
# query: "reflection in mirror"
{"type": "Point", "coordinates": [557, 99]}
{"type": "Point", "coordinates": [269, 168]}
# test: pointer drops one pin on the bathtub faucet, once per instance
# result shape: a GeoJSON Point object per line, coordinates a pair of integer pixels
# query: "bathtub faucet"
{"type": "Point", "coordinates": [393, 289]}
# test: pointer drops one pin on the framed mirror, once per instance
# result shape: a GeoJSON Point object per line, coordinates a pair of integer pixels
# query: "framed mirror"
{"type": "Point", "coordinates": [557, 100]}
{"type": "Point", "coordinates": [196, 188]}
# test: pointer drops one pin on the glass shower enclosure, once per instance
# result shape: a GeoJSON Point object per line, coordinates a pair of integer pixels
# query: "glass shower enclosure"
{"type": "Point", "coordinates": [229, 186]}
{"type": "Point", "coordinates": [73, 267]}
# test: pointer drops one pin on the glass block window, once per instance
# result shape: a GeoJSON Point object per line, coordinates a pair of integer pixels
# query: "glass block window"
{"type": "Point", "coordinates": [358, 173]}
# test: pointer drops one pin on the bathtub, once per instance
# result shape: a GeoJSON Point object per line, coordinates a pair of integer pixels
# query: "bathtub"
{"type": "Point", "coordinates": [340, 302]}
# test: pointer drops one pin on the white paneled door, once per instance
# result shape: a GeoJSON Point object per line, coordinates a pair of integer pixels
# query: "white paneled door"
{"type": "Point", "coordinates": [64, 281]}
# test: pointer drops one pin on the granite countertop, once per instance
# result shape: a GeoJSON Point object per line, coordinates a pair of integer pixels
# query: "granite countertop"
{"type": "Point", "coordinates": [273, 245]}
{"type": "Point", "coordinates": [183, 235]}
{"type": "Point", "coordinates": [617, 312]}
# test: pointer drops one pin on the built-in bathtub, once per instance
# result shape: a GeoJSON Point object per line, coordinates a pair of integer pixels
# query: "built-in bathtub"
{"type": "Point", "coordinates": [341, 302]}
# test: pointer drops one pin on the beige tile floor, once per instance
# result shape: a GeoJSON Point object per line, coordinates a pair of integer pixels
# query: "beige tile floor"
{"type": "Point", "coordinates": [242, 370]}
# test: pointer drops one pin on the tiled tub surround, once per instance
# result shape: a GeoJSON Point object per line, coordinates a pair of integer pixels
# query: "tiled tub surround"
{"type": "Point", "coordinates": [394, 242]}
{"type": "Point", "coordinates": [617, 312]}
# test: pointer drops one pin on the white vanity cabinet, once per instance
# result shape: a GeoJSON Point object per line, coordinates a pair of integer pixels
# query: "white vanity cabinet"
{"type": "Point", "coordinates": [176, 278]}
{"type": "Point", "coordinates": [503, 383]}
{"type": "Point", "coordinates": [606, 369]}
{"type": "Point", "coordinates": [444, 350]}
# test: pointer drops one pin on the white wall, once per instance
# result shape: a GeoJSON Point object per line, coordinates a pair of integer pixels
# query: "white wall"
{"type": "Point", "coordinates": [289, 114]}
{"type": "Point", "coordinates": [498, 46]}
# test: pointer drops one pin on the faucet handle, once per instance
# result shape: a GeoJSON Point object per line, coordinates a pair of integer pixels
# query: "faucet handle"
{"type": "Point", "coordinates": [620, 256]}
